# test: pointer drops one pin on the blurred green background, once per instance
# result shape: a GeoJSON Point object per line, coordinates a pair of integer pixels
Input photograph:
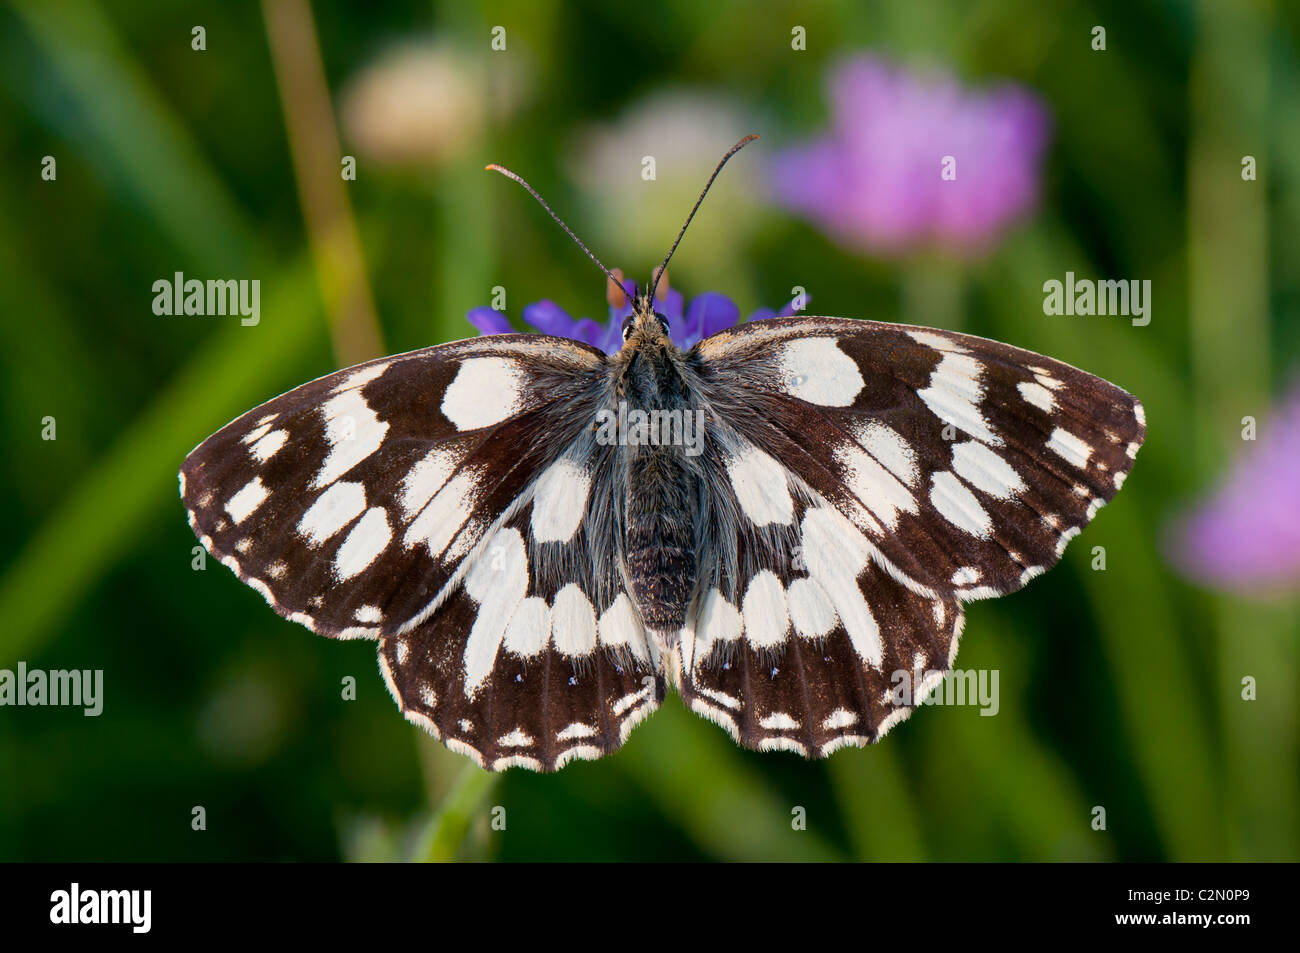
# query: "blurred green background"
{"type": "Point", "coordinates": [1119, 688]}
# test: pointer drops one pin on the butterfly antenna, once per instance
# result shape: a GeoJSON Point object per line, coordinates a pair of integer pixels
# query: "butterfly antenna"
{"type": "Point", "coordinates": [654, 285]}
{"type": "Point", "coordinates": [533, 192]}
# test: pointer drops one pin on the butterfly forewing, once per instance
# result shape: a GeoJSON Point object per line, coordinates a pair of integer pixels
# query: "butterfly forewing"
{"type": "Point", "coordinates": [351, 502]}
{"type": "Point", "coordinates": [967, 463]}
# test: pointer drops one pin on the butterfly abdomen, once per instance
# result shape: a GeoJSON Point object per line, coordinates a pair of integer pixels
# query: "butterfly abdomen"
{"type": "Point", "coordinates": [660, 543]}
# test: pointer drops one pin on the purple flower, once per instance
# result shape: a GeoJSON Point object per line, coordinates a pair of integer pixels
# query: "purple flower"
{"type": "Point", "coordinates": [707, 314]}
{"type": "Point", "coordinates": [1247, 535]}
{"type": "Point", "coordinates": [875, 180]}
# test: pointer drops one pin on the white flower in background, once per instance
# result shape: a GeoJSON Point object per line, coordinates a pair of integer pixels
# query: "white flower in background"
{"type": "Point", "coordinates": [677, 136]}
{"type": "Point", "coordinates": [421, 103]}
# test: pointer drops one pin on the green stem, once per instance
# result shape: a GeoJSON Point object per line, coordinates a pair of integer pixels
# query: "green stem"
{"type": "Point", "coordinates": [447, 831]}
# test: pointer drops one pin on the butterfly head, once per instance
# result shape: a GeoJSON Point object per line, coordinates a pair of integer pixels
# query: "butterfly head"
{"type": "Point", "coordinates": [645, 325]}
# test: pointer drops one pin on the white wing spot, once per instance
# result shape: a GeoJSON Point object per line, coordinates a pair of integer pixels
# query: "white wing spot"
{"type": "Point", "coordinates": [516, 739]}
{"type": "Point", "coordinates": [836, 554]}
{"type": "Point", "coordinates": [269, 445]}
{"type": "Point", "coordinates": [839, 718]}
{"type": "Point", "coordinates": [254, 435]}
{"type": "Point", "coordinates": [353, 432]}
{"type": "Point", "coordinates": [889, 448]}
{"type": "Point", "coordinates": [985, 470]}
{"type": "Point", "coordinates": [767, 619]}
{"type": "Point", "coordinates": [874, 486]}
{"type": "Point", "coordinates": [619, 627]}
{"type": "Point", "coordinates": [718, 622]}
{"type": "Point", "coordinates": [573, 622]}
{"type": "Point", "coordinates": [778, 721]}
{"type": "Point", "coordinates": [560, 501]}
{"type": "Point", "coordinates": [811, 611]}
{"type": "Point", "coordinates": [369, 614]}
{"type": "Point", "coordinates": [1037, 395]}
{"type": "Point", "coordinates": [363, 376]}
{"type": "Point", "coordinates": [242, 504]}
{"type": "Point", "coordinates": [958, 505]}
{"type": "Point", "coordinates": [936, 341]}
{"type": "Point", "coordinates": [816, 370]}
{"type": "Point", "coordinates": [1071, 448]}
{"type": "Point", "coordinates": [529, 631]}
{"type": "Point", "coordinates": [496, 581]}
{"type": "Point", "coordinates": [444, 515]}
{"type": "Point", "coordinates": [363, 544]}
{"type": "Point", "coordinates": [576, 730]}
{"type": "Point", "coordinates": [760, 485]}
{"type": "Point", "coordinates": [334, 509]}
{"type": "Point", "coordinates": [955, 393]}
{"type": "Point", "coordinates": [426, 478]}
{"type": "Point", "coordinates": [485, 391]}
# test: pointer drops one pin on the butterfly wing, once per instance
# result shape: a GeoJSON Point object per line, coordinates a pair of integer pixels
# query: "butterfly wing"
{"type": "Point", "coordinates": [967, 463]}
{"type": "Point", "coordinates": [874, 477]}
{"type": "Point", "coordinates": [534, 661]}
{"type": "Point", "coordinates": [798, 635]}
{"type": "Point", "coordinates": [421, 500]}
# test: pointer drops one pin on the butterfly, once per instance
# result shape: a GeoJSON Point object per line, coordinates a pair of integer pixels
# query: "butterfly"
{"type": "Point", "coordinates": [542, 538]}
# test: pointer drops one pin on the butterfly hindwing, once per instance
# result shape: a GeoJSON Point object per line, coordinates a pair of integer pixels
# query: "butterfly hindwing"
{"type": "Point", "coordinates": [799, 636]}
{"type": "Point", "coordinates": [525, 665]}
{"type": "Point", "coordinates": [968, 464]}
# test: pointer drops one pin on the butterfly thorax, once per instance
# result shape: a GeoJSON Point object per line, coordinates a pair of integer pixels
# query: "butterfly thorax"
{"type": "Point", "coordinates": [662, 488]}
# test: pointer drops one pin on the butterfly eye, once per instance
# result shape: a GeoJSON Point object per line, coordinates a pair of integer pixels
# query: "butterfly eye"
{"type": "Point", "coordinates": [627, 328]}
{"type": "Point", "coordinates": [663, 323]}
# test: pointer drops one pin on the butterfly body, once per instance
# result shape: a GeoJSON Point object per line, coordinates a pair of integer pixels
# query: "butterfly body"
{"type": "Point", "coordinates": [660, 543]}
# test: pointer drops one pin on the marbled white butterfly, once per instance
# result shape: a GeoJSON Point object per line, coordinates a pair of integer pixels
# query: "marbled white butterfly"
{"type": "Point", "coordinates": [535, 578]}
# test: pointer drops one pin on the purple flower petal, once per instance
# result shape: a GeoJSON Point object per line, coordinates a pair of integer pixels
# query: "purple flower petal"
{"type": "Point", "coordinates": [873, 181]}
{"type": "Point", "coordinates": [489, 321]}
{"type": "Point", "coordinates": [1247, 535]}
{"type": "Point", "coordinates": [588, 332]}
{"type": "Point", "coordinates": [708, 314]}
{"type": "Point", "coordinates": [670, 306]}
{"type": "Point", "coordinates": [549, 318]}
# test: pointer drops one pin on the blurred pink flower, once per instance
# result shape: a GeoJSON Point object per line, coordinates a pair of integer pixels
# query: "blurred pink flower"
{"type": "Point", "coordinates": [873, 180]}
{"type": "Point", "coordinates": [1247, 534]}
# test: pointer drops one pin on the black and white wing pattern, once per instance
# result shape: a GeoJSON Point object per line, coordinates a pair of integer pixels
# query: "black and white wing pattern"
{"type": "Point", "coordinates": [441, 502]}
{"type": "Point", "coordinates": [881, 475]}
